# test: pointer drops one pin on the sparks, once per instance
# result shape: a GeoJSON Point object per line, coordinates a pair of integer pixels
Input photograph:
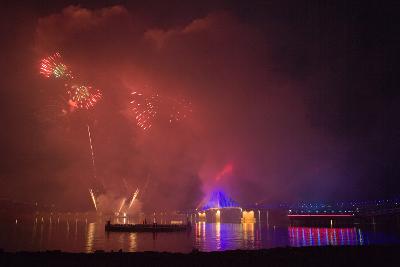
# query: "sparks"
{"type": "Point", "coordinates": [84, 96]}
{"type": "Point", "coordinates": [92, 152]}
{"type": "Point", "coordinates": [133, 198]}
{"type": "Point", "coordinates": [180, 109]}
{"type": "Point", "coordinates": [52, 66]}
{"type": "Point", "coordinates": [121, 206]}
{"type": "Point", "coordinates": [92, 195]}
{"type": "Point", "coordinates": [147, 108]}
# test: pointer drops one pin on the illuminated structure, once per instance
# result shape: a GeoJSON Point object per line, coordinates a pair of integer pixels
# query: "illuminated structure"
{"type": "Point", "coordinates": [248, 217]}
{"type": "Point", "coordinates": [202, 216]}
{"type": "Point", "coordinates": [221, 209]}
{"type": "Point", "coordinates": [219, 200]}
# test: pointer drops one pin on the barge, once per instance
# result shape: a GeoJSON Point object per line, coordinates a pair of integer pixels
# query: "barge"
{"type": "Point", "coordinates": [146, 227]}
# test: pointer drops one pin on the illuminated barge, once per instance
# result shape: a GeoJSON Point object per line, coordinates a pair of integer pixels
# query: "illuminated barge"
{"type": "Point", "coordinates": [146, 227]}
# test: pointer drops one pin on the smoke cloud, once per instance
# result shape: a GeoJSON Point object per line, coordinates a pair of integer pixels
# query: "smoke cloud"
{"type": "Point", "coordinates": [255, 129]}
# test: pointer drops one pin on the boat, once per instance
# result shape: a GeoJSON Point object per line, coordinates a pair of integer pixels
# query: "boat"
{"type": "Point", "coordinates": [109, 227]}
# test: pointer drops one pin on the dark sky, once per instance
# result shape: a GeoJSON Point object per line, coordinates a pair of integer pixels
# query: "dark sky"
{"type": "Point", "coordinates": [299, 100]}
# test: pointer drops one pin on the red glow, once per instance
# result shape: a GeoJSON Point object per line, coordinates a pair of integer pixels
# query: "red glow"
{"type": "Point", "coordinates": [226, 170]}
{"type": "Point", "coordinates": [313, 236]}
{"type": "Point", "coordinates": [320, 215]}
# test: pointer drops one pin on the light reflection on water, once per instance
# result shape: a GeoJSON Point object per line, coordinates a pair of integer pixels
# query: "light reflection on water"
{"type": "Point", "coordinates": [90, 237]}
{"type": "Point", "coordinates": [224, 236]}
{"type": "Point", "coordinates": [132, 242]}
{"type": "Point", "coordinates": [312, 236]}
{"type": "Point", "coordinates": [83, 236]}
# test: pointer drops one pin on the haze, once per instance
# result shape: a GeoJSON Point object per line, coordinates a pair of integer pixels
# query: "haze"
{"type": "Point", "coordinates": [290, 101]}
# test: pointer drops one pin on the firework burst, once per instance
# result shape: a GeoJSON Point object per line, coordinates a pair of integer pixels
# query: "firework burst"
{"type": "Point", "coordinates": [145, 109]}
{"type": "Point", "coordinates": [80, 97]}
{"type": "Point", "coordinates": [53, 66]}
{"type": "Point", "coordinates": [84, 96]}
{"type": "Point", "coordinates": [180, 109]}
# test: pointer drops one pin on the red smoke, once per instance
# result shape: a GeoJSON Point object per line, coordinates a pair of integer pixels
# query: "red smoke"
{"type": "Point", "coordinates": [248, 110]}
{"type": "Point", "coordinates": [225, 171]}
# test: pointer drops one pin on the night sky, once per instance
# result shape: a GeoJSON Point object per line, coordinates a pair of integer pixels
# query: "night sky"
{"type": "Point", "coordinates": [295, 100]}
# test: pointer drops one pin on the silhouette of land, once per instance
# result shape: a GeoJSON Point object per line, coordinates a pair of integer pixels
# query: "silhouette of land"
{"type": "Point", "coordinates": [306, 256]}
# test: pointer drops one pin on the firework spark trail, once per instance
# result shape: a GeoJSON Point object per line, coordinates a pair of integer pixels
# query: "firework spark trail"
{"type": "Point", "coordinates": [133, 197]}
{"type": "Point", "coordinates": [92, 152]}
{"type": "Point", "coordinates": [92, 195]}
{"type": "Point", "coordinates": [122, 205]}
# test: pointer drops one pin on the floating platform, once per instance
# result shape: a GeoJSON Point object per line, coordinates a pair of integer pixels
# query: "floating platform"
{"type": "Point", "coordinates": [146, 227]}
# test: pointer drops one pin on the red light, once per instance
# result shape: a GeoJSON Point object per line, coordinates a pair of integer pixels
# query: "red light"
{"type": "Point", "coordinates": [320, 215]}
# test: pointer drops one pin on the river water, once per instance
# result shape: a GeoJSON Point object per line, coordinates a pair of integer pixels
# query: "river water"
{"type": "Point", "coordinates": [89, 236]}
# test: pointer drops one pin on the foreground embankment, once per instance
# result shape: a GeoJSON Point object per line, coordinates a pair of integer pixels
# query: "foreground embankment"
{"type": "Point", "coordinates": [306, 256]}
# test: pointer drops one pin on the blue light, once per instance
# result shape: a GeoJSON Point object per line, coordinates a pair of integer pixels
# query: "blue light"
{"type": "Point", "coordinates": [219, 200]}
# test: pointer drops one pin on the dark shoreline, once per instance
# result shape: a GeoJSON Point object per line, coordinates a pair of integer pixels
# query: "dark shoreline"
{"type": "Point", "coordinates": [383, 255]}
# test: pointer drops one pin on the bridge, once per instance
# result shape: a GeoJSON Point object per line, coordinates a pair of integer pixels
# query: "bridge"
{"type": "Point", "coordinates": [384, 210]}
{"type": "Point", "coordinates": [339, 211]}
{"type": "Point", "coordinates": [346, 209]}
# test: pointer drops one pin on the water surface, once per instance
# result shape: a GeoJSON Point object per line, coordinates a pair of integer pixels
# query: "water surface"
{"type": "Point", "coordinates": [89, 236]}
